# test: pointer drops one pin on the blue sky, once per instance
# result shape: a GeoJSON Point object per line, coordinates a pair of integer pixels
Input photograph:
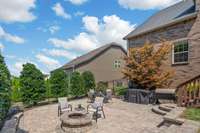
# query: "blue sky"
{"type": "Point", "coordinates": [49, 33]}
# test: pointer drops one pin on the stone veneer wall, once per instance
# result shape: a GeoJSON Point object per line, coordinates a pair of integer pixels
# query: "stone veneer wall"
{"type": "Point", "coordinates": [190, 30]}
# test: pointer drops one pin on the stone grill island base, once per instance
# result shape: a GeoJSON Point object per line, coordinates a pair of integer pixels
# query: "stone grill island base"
{"type": "Point", "coordinates": [75, 122]}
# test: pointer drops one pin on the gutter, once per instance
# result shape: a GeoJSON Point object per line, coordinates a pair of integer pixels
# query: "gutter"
{"type": "Point", "coordinates": [186, 17]}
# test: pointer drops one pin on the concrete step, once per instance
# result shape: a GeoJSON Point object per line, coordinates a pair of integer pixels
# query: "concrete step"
{"type": "Point", "coordinates": [158, 111]}
{"type": "Point", "coordinates": [172, 129]}
{"type": "Point", "coordinates": [170, 105]}
{"type": "Point", "coordinates": [165, 108]}
{"type": "Point", "coordinates": [173, 119]}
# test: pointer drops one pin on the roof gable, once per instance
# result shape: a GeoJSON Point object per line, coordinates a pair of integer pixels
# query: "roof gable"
{"type": "Point", "coordinates": [91, 55]}
{"type": "Point", "coordinates": [164, 17]}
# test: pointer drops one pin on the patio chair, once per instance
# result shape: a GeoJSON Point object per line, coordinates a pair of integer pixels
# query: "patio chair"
{"type": "Point", "coordinates": [106, 97]}
{"type": "Point", "coordinates": [109, 94]}
{"type": "Point", "coordinates": [91, 96]}
{"type": "Point", "coordinates": [63, 105]}
{"type": "Point", "coordinates": [96, 108]}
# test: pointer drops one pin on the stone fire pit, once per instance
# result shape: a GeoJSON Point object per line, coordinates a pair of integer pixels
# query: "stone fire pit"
{"type": "Point", "coordinates": [75, 122]}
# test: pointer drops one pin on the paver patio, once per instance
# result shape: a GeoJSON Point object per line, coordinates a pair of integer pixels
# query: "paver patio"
{"type": "Point", "coordinates": [121, 117]}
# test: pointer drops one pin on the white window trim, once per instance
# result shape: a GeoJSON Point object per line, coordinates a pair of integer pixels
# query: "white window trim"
{"type": "Point", "coordinates": [117, 63]}
{"type": "Point", "coordinates": [173, 44]}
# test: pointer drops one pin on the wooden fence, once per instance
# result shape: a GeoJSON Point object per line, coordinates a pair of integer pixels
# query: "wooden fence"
{"type": "Point", "coordinates": [188, 93]}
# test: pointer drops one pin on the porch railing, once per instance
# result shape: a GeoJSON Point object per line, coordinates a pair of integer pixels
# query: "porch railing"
{"type": "Point", "coordinates": [188, 93]}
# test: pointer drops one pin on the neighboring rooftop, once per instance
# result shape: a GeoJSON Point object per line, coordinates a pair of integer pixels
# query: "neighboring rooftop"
{"type": "Point", "coordinates": [180, 11]}
{"type": "Point", "coordinates": [91, 55]}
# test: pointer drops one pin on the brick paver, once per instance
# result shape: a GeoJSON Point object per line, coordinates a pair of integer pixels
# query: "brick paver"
{"type": "Point", "coordinates": [121, 117]}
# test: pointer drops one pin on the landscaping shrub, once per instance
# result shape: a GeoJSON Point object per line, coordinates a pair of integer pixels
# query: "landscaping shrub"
{"type": "Point", "coordinates": [16, 93]}
{"type": "Point", "coordinates": [32, 85]}
{"type": "Point", "coordinates": [144, 66]}
{"type": "Point", "coordinates": [89, 81]}
{"type": "Point", "coordinates": [102, 86]}
{"type": "Point", "coordinates": [77, 85]}
{"type": "Point", "coordinates": [5, 89]}
{"type": "Point", "coordinates": [58, 84]}
{"type": "Point", "coordinates": [120, 90]}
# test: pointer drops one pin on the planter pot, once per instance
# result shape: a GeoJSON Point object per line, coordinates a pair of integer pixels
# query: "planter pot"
{"type": "Point", "coordinates": [141, 96]}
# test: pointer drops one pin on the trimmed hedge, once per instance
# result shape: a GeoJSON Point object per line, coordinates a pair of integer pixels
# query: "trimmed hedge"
{"type": "Point", "coordinates": [120, 91]}
{"type": "Point", "coordinates": [32, 85]}
{"type": "Point", "coordinates": [5, 89]}
{"type": "Point", "coordinates": [89, 81]}
{"type": "Point", "coordinates": [76, 85]}
{"type": "Point", "coordinates": [102, 86]}
{"type": "Point", "coordinates": [58, 84]}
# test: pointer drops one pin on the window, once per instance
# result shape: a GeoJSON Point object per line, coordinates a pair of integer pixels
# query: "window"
{"type": "Point", "coordinates": [180, 52]}
{"type": "Point", "coordinates": [117, 64]}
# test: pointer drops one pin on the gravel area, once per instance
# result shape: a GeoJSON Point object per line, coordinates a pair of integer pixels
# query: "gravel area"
{"type": "Point", "coordinates": [121, 117]}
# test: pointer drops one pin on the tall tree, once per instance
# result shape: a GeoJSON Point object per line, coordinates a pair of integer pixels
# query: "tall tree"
{"type": "Point", "coordinates": [5, 88]}
{"type": "Point", "coordinates": [77, 84]}
{"type": "Point", "coordinates": [144, 66]}
{"type": "Point", "coordinates": [59, 83]}
{"type": "Point", "coordinates": [89, 81]}
{"type": "Point", "coordinates": [32, 84]}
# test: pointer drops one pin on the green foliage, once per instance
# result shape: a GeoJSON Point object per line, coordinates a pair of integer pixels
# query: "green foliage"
{"type": "Point", "coordinates": [193, 86]}
{"type": "Point", "coordinates": [192, 114]}
{"type": "Point", "coordinates": [32, 84]}
{"type": "Point", "coordinates": [89, 81]}
{"type": "Point", "coordinates": [77, 84]}
{"type": "Point", "coordinates": [102, 86]}
{"type": "Point", "coordinates": [48, 89]}
{"type": "Point", "coordinates": [120, 91]}
{"type": "Point", "coordinates": [59, 83]}
{"type": "Point", "coordinates": [5, 88]}
{"type": "Point", "coordinates": [16, 93]}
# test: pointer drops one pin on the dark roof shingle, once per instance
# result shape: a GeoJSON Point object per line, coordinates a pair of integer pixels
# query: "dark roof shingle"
{"type": "Point", "coordinates": [164, 17]}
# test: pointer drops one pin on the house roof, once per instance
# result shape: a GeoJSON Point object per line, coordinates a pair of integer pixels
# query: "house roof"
{"type": "Point", "coordinates": [91, 55]}
{"type": "Point", "coordinates": [175, 13]}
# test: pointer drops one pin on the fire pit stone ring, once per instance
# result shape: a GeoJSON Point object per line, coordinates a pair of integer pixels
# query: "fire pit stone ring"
{"type": "Point", "coordinates": [76, 119]}
{"type": "Point", "coordinates": [75, 122]}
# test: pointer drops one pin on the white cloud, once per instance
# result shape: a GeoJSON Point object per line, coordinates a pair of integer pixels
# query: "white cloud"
{"type": "Point", "coordinates": [91, 24]}
{"type": "Point", "coordinates": [112, 29]}
{"type": "Point", "coordinates": [48, 62]}
{"type": "Point", "coordinates": [9, 37]}
{"type": "Point", "coordinates": [1, 47]}
{"type": "Point", "coordinates": [82, 42]}
{"type": "Point", "coordinates": [17, 10]}
{"type": "Point", "coordinates": [146, 4]}
{"type": "Point", "coordinates": [54, 29]}
{"type": "Point", "coordinates": [77, 2]}
{"type": "Point", "coordinates": [59, 10]}
{"type": "Point", "coordinates": [79, 13]}
{"type": "Point", "coordinates": [60, 53]}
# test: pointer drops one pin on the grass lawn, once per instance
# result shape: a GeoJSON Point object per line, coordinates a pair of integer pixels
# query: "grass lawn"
{"type": "Point", "coordinates": [192, 114]}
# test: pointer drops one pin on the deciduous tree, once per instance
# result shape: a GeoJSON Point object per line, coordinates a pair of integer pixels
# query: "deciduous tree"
{"type": "Point", "coordinates": [144, 66]}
